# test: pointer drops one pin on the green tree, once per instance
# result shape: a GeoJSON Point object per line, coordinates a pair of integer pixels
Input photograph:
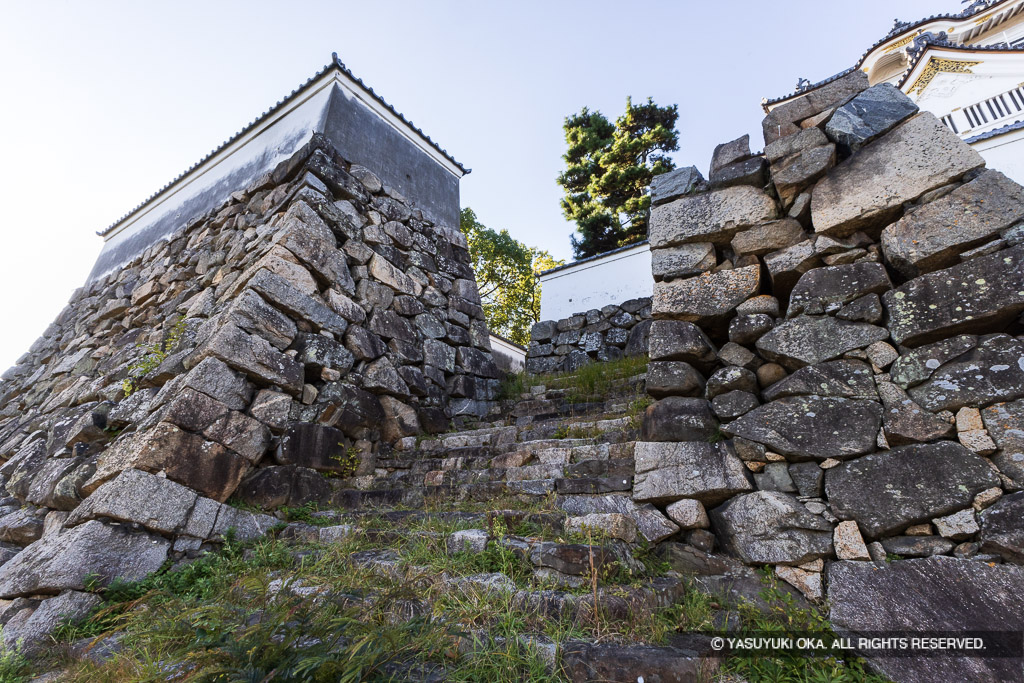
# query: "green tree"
{"type": "Point", "coordinates": [609, 170]}
{"type": "Point", "coordinates": [506, 275]}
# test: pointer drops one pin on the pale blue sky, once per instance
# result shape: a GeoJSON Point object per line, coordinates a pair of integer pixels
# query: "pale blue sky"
{"type": "Point", "coordinates": [105, 102]}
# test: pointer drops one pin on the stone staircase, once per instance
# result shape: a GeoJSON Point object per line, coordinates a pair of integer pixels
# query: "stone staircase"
{"type": "Point", "coordinates": [542, 445]}
{"type": "Point", "coordinates": [525, 519]}
{"type": "Point", "coordinates": [544, 487]}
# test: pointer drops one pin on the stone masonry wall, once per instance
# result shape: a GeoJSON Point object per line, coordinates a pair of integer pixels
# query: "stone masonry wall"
{"type": "Point", "coordinates": [597, 335]}
{"type": "Point", "coordinates": [838, 362]}
{"type": "Point", "coordinates": [296, 331]}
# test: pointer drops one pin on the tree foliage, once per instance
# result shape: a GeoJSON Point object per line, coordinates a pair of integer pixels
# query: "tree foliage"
{"type": "Point", "coordinates": [609, 170]}
{"type": "Point", "coordinates": [506, 275]}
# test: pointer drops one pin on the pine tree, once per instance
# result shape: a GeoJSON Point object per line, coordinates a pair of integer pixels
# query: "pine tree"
{"type": "Point", "coordinates": [609, 170]}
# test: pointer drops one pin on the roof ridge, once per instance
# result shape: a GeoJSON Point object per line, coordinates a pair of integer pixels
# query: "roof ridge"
{"type": "Point", "coordinates": [899, 27]}
{"type": "Point", "coordinates": [335, 63]}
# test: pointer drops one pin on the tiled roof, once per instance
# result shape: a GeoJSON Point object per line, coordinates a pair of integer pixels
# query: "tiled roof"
{"type": "Point", "coordinates": [632, 245]}
{"type": "Point", "coordinates": [996, 132]}
{"type": "Point", "coordinates": [897, 29]}
{"type": "Point", "coordinates": [335, 63]}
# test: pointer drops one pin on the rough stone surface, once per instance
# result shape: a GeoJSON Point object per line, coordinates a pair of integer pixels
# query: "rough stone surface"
{"type": "Point", "coordinates": [786, 118]}
{"type": "Point", "coordinates": [1002, 528]}
{"type": "Point", "coordinates": [917, 365]}
{"type": "Point", "coordinates": [707, 297]}
{"type": "Point", "coordinates": [848, 542]}
{"type": "Point", "coordinates": [685, 260]}
{"type": "Point", "coordinates": [668, 186]}
{"type": "Point", "coordinates": [709, 473]}
{"type": "Point", "coordinates": [681, 341]}
{"type": "Point", "coordinates": [673, 378]}
{"type": "Point", "coordinates": [798, 172]}
{"type": "Point", "coordinates": [768, 527]}
{"type": "Point", "coordinates": [870, 114]}
{"type": "Point", "coordinates": [839, 378]}
{"type": "Point", "coordinates": [786, 266]}
{"type": "Point", "coordinates": [808, 340]}
{"type": "Point", "coordinates": [688, 514]}
{"type": "Point", "coordinates": [768, 237]}
{"type": "Point", "coordinates": [651, 524]}
{"type": "Point", "coordinates": [30, 634]}
{"type": "Point", "coordinates": [138, 497]}
{"type": "Point", "coordinates": [978, 296]}
{"type": "Point", "coordinates": [826, 289]}
{"type": "Point", "coordinates": [714, 216]}
{"type": "Point", "coordinates": [990, 372]}
{"type": "Point", "coordinates": [678, 418]}
{"type": "Point", "coordinates": [803, 141]}
{"type": "Point", "coordinates": [959, 526]}
{"type": "Point", "coordinates": [936, 234]}
{"type": "Point", "coordinates": [186, 458]}
{"type": "Point", "coordinates": [609, 524]}
{"type": "Point", "coordinates": [940, 594]}
{"type": "Point", "coordinates": [917, 546]}
{"type": "Point", "coordinates": [905, 422]}
{"type": "Point", "coordinates": [887, 492]}
{"type": "Point", "coordinates": [63, 561]}
{"type": "Point", "coordinates": [812, 427]}
{"type": "Point", "coordinates": [1005, 424]}
{"type": "Point", "coordinates": [869, 189]}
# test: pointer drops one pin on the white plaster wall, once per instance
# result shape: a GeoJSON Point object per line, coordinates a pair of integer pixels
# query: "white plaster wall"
{"type": "Point", "coordinates": [509, 357]}
{"type": "Point", "coordinates": [596, 283]}
{"type": "Point", "coordinates": [950, 92]}
{"type": "Point", "coordinates": [1005, 153]}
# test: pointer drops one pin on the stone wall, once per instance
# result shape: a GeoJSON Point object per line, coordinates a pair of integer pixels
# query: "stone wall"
{"type": "Point", "coordinates": [298, 330]}
{"type": "Point", "coordinates": [838, 362]}
{"type": "Point", "coordinates": [597, 335]}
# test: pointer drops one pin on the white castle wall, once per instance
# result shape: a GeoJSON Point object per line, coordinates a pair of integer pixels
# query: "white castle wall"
{"type": "Point", "coordinates": [592, 283]}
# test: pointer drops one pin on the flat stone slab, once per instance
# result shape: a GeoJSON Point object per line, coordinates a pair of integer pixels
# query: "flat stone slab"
{"type": "Point", "coordinates": [937, 594]}
{"type": "Point", "coordinates": [674, 184]}
{"type": "Point", "coordinates": [980, 295]}
{"type": "Point", "coordinates": [668, 471]}
{"type": "Point", "coordinates": [887, 492]}
{"type": "Point", "coordinates": [905, 422]}
{"type": "Point", "coordinates": [842, 378]}
{"type": "Point", "coordinates": [809, 340]}
{"type": "Point", "coordinates": [650, 522]}
{"type": "Point", "coordinates": [870, 114]}
{"type": "Point", "coordinates": [812, 427]}
{"type": "Point", "coordinates": [768, 527]}
{"type": "Point", "coordinates": [62, 561]}
{"type": "Point", "coordinates": [917, 365]}
{"type": "Point", "coordinates": [685, 260]}
{"type": "Point", "coordinates": [156, 503]}
{"type": "Point", "coordinates": [826, 289]}
{"type": "Point", "coordinates": [993, 371]}
{"type": "Point", "coordinates": [714, 216]}
{"type": "Point", "coordinates": [707, 297]}
{"type": "Point", "coordinates": [868, 190]}
{"type": "Point", "coordinates": [934, 236]}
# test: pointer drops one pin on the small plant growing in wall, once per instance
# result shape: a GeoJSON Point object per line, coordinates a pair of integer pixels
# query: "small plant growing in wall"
{"type": "Point", "coordinates": [155, 354]}
{"type": "Point", "coordinates": [348, 460]}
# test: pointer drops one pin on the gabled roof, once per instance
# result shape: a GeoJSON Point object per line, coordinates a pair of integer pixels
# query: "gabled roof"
{"type": "Point", "coordinates": [334, 65]}
{"type": "Point", "coordinates": [917, 56]}
{"type": "Point", "coordinates": [899, 28]}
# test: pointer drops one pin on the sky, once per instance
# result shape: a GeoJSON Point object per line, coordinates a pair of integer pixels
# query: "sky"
{"type": "Point", "coordinates": [103, 103]}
